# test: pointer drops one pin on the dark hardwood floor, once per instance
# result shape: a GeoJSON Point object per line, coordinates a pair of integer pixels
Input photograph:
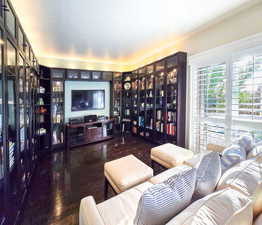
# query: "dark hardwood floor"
{"type": "Point", "coordinates": [62, 179]}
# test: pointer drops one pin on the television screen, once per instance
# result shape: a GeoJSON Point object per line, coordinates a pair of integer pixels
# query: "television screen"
{"type": "Point", "coordinates": [88, 99]}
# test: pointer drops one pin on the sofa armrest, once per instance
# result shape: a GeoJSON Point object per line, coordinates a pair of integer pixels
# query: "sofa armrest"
{"type": "Point", "coordinates": [215, 148]}
{"type": "Point", "coordinates": [88, 213]}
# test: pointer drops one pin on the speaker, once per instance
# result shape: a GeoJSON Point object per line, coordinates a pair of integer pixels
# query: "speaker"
{"type": "Point", "coordinates": [90, 118]}
{"type": "Point", "coordinates": [76, 120]}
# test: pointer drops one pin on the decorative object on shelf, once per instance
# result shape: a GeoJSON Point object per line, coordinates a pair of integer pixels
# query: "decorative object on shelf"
{"type": "Point", "coordinates": [41, 90]}
{"type": "Point", "coordinates": [172, 76]}
{"type": "Point", "coordinates": [127, 86]}
{"type": "Point", "coordinates": [40, 101]}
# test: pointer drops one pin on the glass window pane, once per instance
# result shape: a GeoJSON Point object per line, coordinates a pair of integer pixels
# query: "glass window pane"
{"type": "Point", "coordinates": [10, 19]}
{"type": "Point", "coordinates": [85, 75]}
{"type": "Point", "coordinates": [97, 75]}
{"type": "Point", "coordinates": [56, 73]}
{"type": "Point", "coordinates": [27, 49]}
{"type": "Point", "coordinates": [73, 74]}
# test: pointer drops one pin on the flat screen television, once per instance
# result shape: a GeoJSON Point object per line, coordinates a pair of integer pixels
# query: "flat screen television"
{"type": "Point", "coordinates": [88, 100]}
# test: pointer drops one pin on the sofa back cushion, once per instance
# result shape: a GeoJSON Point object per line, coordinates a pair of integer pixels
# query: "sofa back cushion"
{"type": "Point", "coordinates": [162, 201]}
{"type": "Point", "coordinates": [246, 177]}
{"type": "Point", "coordinates": [226, 207]}
{"type": "Point", "coordinates": [208, 175]}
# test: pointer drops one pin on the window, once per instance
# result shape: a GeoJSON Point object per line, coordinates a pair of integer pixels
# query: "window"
{"type": "Point", "coordinates": [227, 101]}
{"type": "Point", "coordinates": [210, 108]}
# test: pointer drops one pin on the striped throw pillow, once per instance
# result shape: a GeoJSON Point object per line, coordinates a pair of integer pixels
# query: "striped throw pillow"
{"type": "Point", "coordinates": [163, 201]}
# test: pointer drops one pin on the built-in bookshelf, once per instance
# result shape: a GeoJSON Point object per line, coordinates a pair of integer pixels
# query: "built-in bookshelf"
{"type": "Point", "coordinates": [158, 96]}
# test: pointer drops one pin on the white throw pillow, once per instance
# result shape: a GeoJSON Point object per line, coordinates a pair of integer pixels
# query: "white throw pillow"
{"type": "Point", "coordinates": [161, 202]}
{"type": "Point", "coordinates": [208, 175]}
{"type": "Point", "coordinates": [246, 177]}
{"type": "Point", "coordinates": [226, 207]}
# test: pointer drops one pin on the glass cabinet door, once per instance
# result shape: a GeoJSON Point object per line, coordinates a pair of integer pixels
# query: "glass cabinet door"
{"type": "Point", "coordinates": [2, 173]}
{"type": "Point", "coordinates": [57, 112]}
{"type": "Point", "coordinates": [10, 19]}
{"type": "Point", "coordinates": [171, 90]}
{"type": "Point", "coordinates": [11, 63]}
{"type": "Point", "coordinates": [21, 74]}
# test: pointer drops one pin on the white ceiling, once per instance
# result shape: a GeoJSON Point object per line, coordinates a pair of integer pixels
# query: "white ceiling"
{"type": "Point", "coordinates": [117, 31]}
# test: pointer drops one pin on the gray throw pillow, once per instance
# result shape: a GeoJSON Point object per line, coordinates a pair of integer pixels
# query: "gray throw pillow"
{"type": "Point", "coordinates": [161, 202]}
{"type": "Point", "coordinates": [232, 156]}
{"type": "Point", "coordinates": [246, 142]}
{"type": "Point", "coordinates": [208, 175]}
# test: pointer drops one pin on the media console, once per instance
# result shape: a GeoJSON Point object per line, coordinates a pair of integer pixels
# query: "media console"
{"type": "Point", "coordinates": [90, 132]}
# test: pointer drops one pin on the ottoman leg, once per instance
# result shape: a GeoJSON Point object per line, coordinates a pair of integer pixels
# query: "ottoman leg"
{"type": "Point", "coordinates": [105, 188]}
{"type": "Point", "coordinates": [153, 165]}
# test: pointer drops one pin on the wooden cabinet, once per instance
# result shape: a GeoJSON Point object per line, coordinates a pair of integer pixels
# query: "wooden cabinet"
{"type": "Point", "coordinates": [85, 133]}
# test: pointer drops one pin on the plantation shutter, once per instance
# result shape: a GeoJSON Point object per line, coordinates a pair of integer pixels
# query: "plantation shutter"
{"type": "Point", "coordinates": [247, 97]}
{"type": "Point", "coordinates": [209, 107]}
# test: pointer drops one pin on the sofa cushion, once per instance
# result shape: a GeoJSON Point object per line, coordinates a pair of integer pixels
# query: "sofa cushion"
{"type": "Point", "coordinates": [121, 209]}
{"type": "Point", "coordinates": [246, 143]}
{"type": "Point", "coordinates": [169, 155]}
{"type": "Point", "coordinates": [168, 173]}
{"type": "Point", "coordinates": [215, 148]}
{"type": "Point", "coordinates": [246, 177]}
{"type": "Point", "coordinates": [258, 220]}
{"type": "Point", "coordinates": [232, 156]}
{"type": "Point", "coordinates": [226, 207]}
{"type": "Point", "coordinates": [208, 175]}
{"type": "Point", "coordinates": [162, 201]}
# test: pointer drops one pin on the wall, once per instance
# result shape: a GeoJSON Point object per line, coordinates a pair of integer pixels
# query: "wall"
{"type": "Point", "coordinates": [85, 85]}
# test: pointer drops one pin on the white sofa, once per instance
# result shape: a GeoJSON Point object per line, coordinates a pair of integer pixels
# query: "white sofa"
{"type": "Point", "coordinates": [121, 209]}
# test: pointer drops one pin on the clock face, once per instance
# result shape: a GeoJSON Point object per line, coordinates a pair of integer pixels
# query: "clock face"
{"type": "Point", "coordinates": [127, 86]}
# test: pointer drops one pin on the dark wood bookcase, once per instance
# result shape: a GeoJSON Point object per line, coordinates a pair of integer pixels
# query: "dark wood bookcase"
{"type": "Point", "coordinates": [19, 80]}
{"type": "Point", "coordinates": [156, 101]}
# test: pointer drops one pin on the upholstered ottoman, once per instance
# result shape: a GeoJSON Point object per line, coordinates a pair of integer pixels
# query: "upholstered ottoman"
{"type": "Point", "coordinates": [169, 155]}
{"type": "Point", "coordinates": [125, 173]}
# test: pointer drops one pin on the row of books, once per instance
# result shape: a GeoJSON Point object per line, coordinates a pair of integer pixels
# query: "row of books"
{"type": "Point", "coordinates": [169, 116]}
{"type": "Point", "coordinates": [171, 129]}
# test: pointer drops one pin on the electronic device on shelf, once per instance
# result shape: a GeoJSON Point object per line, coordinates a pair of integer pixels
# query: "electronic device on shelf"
{"type": "Point", "coordinates": [90, 118]}
{"type": "Point", "coordinates": [101, 118]}
{"type": "Point", "coordinates": [76, 120]}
